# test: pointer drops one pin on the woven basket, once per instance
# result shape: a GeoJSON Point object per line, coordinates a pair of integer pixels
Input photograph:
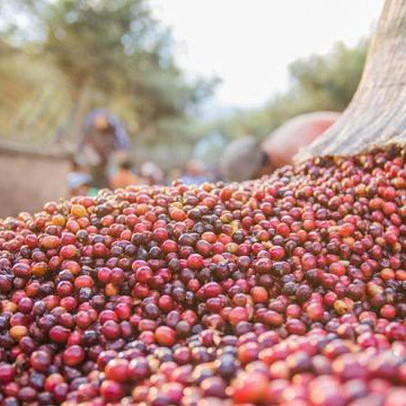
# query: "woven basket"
{"type": "Point", "coordinates": [376, 115]}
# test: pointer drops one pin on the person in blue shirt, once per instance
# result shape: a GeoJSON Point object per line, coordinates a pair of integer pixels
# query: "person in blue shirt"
{"type": "Point", "coordinates": [103, 136]}
{"type": "Point", "coordinates": [194, 174]}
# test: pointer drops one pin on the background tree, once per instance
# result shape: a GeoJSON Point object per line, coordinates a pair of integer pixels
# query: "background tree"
{"type": "Point", "coordinates": [318, 82]}
{"type": "Point", "coordinates": [58, 59]}
{"type": "Point", "coordinates": [113, 54]}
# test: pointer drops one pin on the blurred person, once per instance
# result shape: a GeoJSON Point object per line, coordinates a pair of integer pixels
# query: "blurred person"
{"type": "Point", "coordinates": [247, 158]}
{"type": "Point", "coordinates": [151, 173]}
{"type": "Point", "coordinates": [79, 180]}
{"type": "Point", "coordinates": [194, 174]}
{"type": "Point", "coordinates": [174, 174]}
{"type": "Point", "coordinates": [104, 136]}
{"type": "Point", "coordinates": [124, 176]}
{"type": "Point", "coordinates": [213, 174]}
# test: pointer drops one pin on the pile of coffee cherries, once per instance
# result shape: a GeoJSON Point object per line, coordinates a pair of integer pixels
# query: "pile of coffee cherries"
{"type": "Point", "coordinates": [288, 290]}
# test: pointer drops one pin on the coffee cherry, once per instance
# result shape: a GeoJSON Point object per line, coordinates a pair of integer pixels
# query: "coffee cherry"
{"type": "Point", "coordinates": [289, 289]}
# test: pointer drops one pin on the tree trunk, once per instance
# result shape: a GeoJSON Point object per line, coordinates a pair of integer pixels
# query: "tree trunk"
{"type": "Point", "coordinates": [376, 115]}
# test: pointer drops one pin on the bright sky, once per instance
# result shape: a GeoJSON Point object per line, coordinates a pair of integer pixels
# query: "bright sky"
{"type": "Point", "coordinates": [249, 44]}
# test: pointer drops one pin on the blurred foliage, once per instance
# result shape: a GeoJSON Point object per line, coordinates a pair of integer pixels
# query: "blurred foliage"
{"type": "Point", "coordinates": [318, 82]}
{"type": "Point", "coordinates": [74, 55]}
{"type": "Point", "coordinates": [60, 58]}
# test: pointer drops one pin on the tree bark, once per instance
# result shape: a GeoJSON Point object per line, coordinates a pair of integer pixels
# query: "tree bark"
{"type": "Point", "coordinates": [376, 116]}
